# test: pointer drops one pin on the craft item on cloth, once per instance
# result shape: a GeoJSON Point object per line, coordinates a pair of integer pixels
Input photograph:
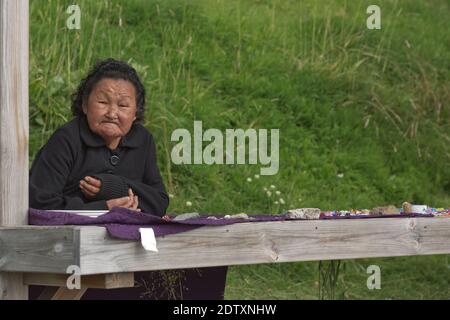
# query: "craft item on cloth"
{"type": "Point", "coordinates": [186, 216]}
{"type": "Point", "coordinates": [303, 213]}
{"type": "Point", "coordinates": [237, 216]}
{"type": "Point", "coordinates": [382, 211]}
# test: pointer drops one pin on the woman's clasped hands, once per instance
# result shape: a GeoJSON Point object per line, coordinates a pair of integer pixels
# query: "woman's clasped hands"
{"type": "Point", "coordinates": [91, 186]}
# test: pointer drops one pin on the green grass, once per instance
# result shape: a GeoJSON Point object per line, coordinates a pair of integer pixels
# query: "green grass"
{"type": "Point", "coordinates": [401, 278]}
{"type": "Point", "coordinates": [370, 104]}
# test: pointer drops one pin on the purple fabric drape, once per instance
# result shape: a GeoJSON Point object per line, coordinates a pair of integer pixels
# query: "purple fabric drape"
{"type": "Point", "coordinates": [124, 224]}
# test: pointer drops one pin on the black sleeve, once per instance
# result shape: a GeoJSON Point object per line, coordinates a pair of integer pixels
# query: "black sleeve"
{"type": "Point", "coordinates": [49, 173]}
{"type": "Point", "coordinates": [112, 186]}
{"type": "Point", "coordinates": [151, 192]}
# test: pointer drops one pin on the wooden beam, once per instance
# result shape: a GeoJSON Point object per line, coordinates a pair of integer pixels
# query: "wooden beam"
{"type": "Point", "coordinates": [243, 243]}
{"type": "Point", "coordinates": [98, 281]}
{"type": "Point", "coordinates": [13, 128]}
{"type": "Point", "coordinates": [267, 242]}
{"type": "Point", "coordinates": [56, 284]}
{"type": "Point", "coordinates": [39, 249]}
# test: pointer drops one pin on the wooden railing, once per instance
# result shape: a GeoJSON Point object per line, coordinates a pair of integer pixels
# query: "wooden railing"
{"type": "Point", "coordinates": [13, 129]}
{"type": "Point", "coordinates": [51, 250]}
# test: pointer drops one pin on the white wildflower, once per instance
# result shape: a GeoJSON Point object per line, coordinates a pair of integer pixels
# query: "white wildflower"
{"type": "Point", "coordinates": [269, 193]}
{"type": "Point", "coordinates": [276, 202]}
{"type": "Point", "coordinates": [256, 176]}
{"type": "Point", "coordinates": [408, 44]}
{"type": "Point", "coordinates": [171, 195]}
{"type": "Point", "coordinates": [272, 186]}
{"type": "Point", "coordinates": [188, 203]}
{"type": "Point", "coordinates": [340, 175]}
{"type": "Point", "coordinates": [282, 201]}
{"type": "Point", "coordinates": [278, 192]}
{"type": "Point", "coordinates": [249, 179]}
{"type": "Point", "coordinates": [265, 189]}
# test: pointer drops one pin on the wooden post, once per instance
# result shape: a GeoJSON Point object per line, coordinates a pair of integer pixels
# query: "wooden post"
{"type": "Point", "coordinates": [13, 129]}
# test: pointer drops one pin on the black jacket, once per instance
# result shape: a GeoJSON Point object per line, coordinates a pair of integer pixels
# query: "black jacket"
{"type": "Point", "coordinates": [74, 151]}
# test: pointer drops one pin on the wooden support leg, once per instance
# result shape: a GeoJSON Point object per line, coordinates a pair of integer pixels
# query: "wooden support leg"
{"type": "Point", "coordinates": [61, 293]}
{"type": "Point", "coordinates": [56, 288]}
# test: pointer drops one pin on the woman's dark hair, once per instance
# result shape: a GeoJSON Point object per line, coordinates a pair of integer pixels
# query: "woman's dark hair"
{"type": "Point", "coordinates": [112, 69]}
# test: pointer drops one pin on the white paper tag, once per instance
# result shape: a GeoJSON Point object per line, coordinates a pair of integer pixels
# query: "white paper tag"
{"type": "Point", "coordinates": [148, 239]}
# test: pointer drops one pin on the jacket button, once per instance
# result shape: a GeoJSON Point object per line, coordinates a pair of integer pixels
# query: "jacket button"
{"type": "Point", "coordinates": [114, 160]}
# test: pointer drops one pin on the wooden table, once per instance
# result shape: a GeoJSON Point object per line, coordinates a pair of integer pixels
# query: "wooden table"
{"type": "Point", "coordinates": [44, 253]}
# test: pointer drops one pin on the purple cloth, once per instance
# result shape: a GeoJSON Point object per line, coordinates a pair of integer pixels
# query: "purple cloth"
{"type": "Point", "coordinates": [124, 224]}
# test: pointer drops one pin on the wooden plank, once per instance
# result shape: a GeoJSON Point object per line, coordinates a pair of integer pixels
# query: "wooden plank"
{"type": "Point", "coordinates": [99, 281]}
{"type": "Point", "coordinates": [113, 280]}
{"type": "Point", "coordinates": [87, 213]}
{"type": "Point", "coordinates": [267, 242]}
{"type": "Point", "coordinates": [61, 293]}
{"type": "Point", "coordinates": [13, 128]}
{"type": "Point", "coordinates": [39, 249]}
{"type": "Point", "coordinates": [244, 243]}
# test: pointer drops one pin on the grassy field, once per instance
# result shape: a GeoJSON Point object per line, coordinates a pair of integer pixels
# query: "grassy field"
{"type": "Point", "coordinates": [363, 114]}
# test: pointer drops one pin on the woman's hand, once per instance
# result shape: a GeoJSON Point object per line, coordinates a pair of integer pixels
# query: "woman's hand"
{"type": "Point", "coordinates": [90, 186]}
{"type": "Point", "coordinates": [131, 202]}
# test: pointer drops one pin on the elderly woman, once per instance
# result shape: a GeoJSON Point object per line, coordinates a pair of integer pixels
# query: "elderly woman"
{"type": "Point", "coordinates": [105, 158]}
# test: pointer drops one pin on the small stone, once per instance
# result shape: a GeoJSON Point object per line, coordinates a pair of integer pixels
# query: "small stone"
{"type": "Point", "coordinates": [304, 213]}
{"type": "Point", "coordinates": [407, 207]}
{"type": "Point", "coordinates": [381, 211]}
{"type": "Point", "coordinates": [239, 216]}
{"type": "Point", "coordinates": [186, 216]}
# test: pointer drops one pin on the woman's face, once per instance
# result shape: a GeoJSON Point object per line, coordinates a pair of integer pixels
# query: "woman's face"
{"type": "Point", "coordinates": [111, 109]}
